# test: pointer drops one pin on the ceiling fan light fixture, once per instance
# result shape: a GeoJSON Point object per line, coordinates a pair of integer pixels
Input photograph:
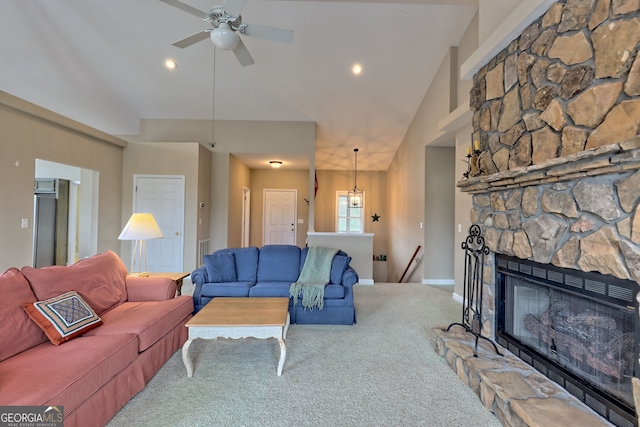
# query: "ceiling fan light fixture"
{"type": "Point", "coordinates": [275, 164]}
{"type": "Point", "coordinates": [224, 37]}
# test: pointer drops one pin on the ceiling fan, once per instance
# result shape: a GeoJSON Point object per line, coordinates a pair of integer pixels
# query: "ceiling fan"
{"type": "Point", "coordinates": [226, 23]}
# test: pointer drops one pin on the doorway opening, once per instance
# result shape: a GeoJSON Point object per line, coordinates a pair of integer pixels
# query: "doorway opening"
{"type": "Point", "coordinates": [65, 225]}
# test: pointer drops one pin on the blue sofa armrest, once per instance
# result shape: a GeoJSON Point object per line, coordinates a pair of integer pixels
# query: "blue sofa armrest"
{"type": "Point", "coordinates": [349, 277]}
{"type": "Point", "coordinates": [199, 277]}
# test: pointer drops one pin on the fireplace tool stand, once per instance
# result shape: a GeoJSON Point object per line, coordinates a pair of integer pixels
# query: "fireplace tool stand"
{"type": "Point", "coordinates": [474, 253]}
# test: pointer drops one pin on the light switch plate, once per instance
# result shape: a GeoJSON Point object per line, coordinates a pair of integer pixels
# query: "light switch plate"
{"type": "Point", "coordinates": [25, 223]}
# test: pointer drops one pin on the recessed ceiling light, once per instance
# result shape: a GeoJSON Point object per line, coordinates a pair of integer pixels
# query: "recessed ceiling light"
{"type": "Point", "coordinates": [356, 69]}
{"type": "Point", "coordinates": [170, 64]}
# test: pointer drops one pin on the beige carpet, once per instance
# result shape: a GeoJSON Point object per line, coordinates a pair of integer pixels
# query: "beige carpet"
{"type": "Point", "coordinates": [382, 371]}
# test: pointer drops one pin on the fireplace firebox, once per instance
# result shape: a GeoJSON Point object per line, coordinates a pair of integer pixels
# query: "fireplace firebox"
{"type": "Point", "coordinates": [579, 329]}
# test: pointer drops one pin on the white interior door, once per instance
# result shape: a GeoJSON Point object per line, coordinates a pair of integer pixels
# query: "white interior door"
{"type": "Point", "coordinates": [163, 196]}
{"type": "Point", "coordinates": [279, 224]}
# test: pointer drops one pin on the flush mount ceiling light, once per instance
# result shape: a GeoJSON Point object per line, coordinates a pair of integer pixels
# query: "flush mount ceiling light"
{"type": "Point", "coordinates": [170, 64]}
{"type": "Point", "coordinates": [275, 164]}
{"type": "Point", "coordinates": [224, 37]}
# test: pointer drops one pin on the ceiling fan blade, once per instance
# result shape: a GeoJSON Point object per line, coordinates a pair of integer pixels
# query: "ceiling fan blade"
{"type": "Point", "coordinates": [186, 8]}
{"type": "Point", "coordinates": [243, 55]}
{"type": "Point", "coordinates": [192, 39]}
{"type": "Point", "coordinates": [269, 33]}
{"type": "Point", "coordinates": [234, 7]}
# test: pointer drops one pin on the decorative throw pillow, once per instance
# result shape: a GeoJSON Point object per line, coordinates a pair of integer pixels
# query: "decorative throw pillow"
{"type": "Point", "coordinates": [221, 267]}
{"type": "Point", "coordinates": [64, 317]}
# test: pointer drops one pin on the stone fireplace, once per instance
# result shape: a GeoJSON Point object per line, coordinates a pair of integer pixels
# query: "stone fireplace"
{"type": "Point", "coordinates": [554, 169]}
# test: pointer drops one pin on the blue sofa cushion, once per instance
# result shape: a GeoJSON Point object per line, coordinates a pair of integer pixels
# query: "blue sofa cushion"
{"type": "Point", "coordinates": [228, 289]}
{"type": "Point", "coordinates": [338, 267]}
{"type": "Point", "coordinates": [221, 267]}
{"type": "Point", "coordinates": [279, 263]}
{"type": "Point", "coordinates": [270, 289]}
{"type": "Point", "coordinates": [246, 263]}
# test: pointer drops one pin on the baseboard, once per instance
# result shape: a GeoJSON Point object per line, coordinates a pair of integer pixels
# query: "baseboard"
{"type": "Point", "coordinates": [438, 282]}
{"type": "Point", "coordinates": [365, 282]}
{"type": "Point", "coordinates": [458, 298]}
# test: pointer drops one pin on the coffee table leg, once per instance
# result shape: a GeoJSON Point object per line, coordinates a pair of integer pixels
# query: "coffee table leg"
{"type": "Point", "coordinates": [286, 326]}
{"type": "Point", "coordinates": [283, 355]}
{"type": "Point", "coordinates": [185, 357]}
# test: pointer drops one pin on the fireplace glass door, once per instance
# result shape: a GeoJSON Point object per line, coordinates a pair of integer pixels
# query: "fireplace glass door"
{"type": "Point", "coordinates": [592, 340]}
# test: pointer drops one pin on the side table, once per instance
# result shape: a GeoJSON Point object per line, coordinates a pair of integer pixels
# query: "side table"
{"type": "Point", "coordinates": [175, 276]}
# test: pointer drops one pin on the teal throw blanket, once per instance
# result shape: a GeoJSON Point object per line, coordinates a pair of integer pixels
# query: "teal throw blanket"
{"type": "Point", "coordinates": [316, 273]}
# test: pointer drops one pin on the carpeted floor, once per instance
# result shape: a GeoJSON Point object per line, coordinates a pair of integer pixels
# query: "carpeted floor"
{"type": "Point", "coordinates": [382, 371]}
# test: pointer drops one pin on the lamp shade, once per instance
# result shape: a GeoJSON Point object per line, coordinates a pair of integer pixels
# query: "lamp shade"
{"type": "Point", "coordinates": [141, 226]}
{"type": "Point", "coordinates": [224, 37]}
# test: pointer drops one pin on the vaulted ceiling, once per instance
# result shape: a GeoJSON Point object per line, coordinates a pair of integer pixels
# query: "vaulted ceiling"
{"type": "Point", "coordinates": [102, 63]}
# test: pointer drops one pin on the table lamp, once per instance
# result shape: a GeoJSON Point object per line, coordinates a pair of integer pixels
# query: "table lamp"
{"type": "Point", "coordinates": [140, 227]}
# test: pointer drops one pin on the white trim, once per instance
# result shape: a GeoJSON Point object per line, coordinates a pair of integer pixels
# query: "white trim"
{"type": "Point", "coordinates": [511, 28]}
{"type": "Point", "coordinates": [438, 282]}
{"type": "Point", "coordinates": [365, 282]}
{"type": "Point", "coordinates": [458, 298]}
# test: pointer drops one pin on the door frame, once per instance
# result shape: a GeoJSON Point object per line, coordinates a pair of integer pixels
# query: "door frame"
{"type": "Point", "coordinates": [181, 178]}
{"type": "Point", "coordinates": [246, 216]}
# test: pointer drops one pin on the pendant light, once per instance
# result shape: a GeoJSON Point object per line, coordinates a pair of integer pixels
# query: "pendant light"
{"type": "Point", "coordinates": [355, 194]}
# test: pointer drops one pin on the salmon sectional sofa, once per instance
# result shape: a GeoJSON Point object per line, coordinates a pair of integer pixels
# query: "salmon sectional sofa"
{"type": "Point", "coordinates": [131, 327]}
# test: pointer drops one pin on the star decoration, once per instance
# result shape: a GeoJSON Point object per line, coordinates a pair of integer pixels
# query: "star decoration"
{"type": "Point", "coordinates": [375, 217]}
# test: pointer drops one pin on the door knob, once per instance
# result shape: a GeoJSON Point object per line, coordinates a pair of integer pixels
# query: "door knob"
{"type": "Point", "coordinates": [177, 233]}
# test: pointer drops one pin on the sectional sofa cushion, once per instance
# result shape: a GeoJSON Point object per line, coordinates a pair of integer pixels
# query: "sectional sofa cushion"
{"type": "Point", "coordinates": [229, 289]}
{"type": "Point", "coordinates": [246, 263]}
{"type": "Point", "coordinates": [100, 281]}
{"type": "Point", "coordinates": [17, 332]}
{"type": "Point", "coordinates": [149, 320]}
{"type": "Point", "coordinates": [279, 263]}
{"type": "Point", "coordinates": [64, 317]}
{"type": "Point", "coordinates": [72, 372]}
{"type": "Point", "coordinates": [221, 267]}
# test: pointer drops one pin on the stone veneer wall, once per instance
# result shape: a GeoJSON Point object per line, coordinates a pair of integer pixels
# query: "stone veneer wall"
{"type": "Point", "coordinates": [556, 115]}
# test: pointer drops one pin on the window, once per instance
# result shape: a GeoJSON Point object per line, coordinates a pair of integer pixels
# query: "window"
{"type": "Point", "coordinates": [348, 220]}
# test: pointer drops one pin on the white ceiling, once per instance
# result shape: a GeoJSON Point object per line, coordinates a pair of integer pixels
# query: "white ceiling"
{"type": "Point", "coordinates": [101, 63]}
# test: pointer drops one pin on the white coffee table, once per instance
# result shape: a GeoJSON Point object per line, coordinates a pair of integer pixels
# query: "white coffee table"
{"type": "Point", "coordinates": [240, 318]}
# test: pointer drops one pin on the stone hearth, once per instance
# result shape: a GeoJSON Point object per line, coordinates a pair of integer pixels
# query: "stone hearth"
{"type": "Point", "coordinates": [515, 392]}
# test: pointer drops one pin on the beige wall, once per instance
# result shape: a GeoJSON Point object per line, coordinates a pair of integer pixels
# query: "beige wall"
{"type": "Point", "coordinates": [406, 178]}
{"type": "Point", "coordinates": [374, 185]}
{"type": "Point", "coordinates": [462, 208]}
{"type": "Point", "coordinates": [165, 158]}
{"type": "Point", "coordinates": [30, 132]}
{"type": "Point", "coordinates": [239, 177]}
{"type": "Point", "coordinates": [262, 179]}
{"type": "Point", "coordinates": [492, 13]}
{"type": "Point", "coordinates": [439, 211]}
{"type": "Point", "coordinates": [219, 219]}
{"type": "Point", "coordinates": [204, 193]}
{"type": "Point", "coordinates": [468, 45]}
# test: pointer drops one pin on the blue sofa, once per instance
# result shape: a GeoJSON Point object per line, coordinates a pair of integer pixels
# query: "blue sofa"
{"type": "Point", "coordinates": [269, 272]}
